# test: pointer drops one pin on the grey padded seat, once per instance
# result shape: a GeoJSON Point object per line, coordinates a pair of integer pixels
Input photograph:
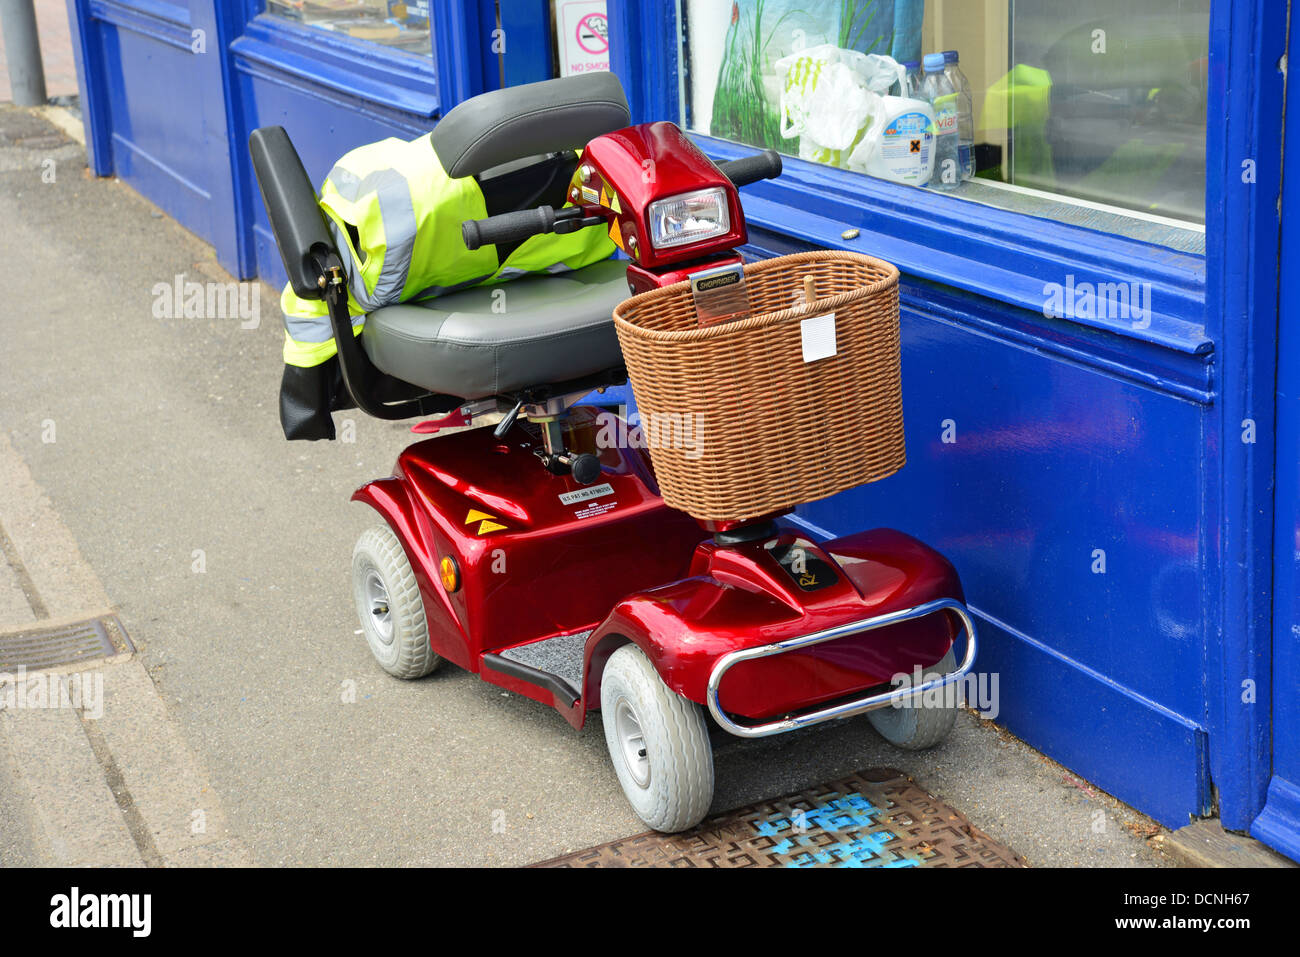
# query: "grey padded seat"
{"type": "Point", "coordinates": [553, 328]}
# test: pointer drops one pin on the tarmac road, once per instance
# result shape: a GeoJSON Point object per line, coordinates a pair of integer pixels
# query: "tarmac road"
{"type": "Point", "coordinates": [225, 551]}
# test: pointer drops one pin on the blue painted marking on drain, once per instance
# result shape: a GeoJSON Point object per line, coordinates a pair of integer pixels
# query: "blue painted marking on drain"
{"type": "Point", "coordinates": [846, 813]}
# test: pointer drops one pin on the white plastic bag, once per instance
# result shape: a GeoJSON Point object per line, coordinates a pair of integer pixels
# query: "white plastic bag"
{"type": "Point", "coordinates": [829, 96]}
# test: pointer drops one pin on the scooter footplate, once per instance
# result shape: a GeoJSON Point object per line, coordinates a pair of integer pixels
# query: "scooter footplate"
{"type": "Point", "coordinates": [560, 656]}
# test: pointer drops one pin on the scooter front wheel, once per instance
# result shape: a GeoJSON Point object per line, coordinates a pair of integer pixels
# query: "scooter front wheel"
{"type": "Point", "coordinates": [389, 605]}
{"type": "Point", "coordinates": [658, 741]}
{"type": "Point", "coordinates": [923, 724]}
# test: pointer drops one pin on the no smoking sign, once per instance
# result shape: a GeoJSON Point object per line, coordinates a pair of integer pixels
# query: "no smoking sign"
{"type": "Point", "coordinates": [583, 36]}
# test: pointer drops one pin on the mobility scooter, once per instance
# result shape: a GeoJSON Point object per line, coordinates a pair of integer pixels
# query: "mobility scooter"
{"type": "Point", "coordinates": [523, 548]}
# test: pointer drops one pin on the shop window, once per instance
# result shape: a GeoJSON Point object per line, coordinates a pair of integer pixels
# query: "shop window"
{"type": "Point", "coordinates": [1085, 111]}
{"type": "Point", "coordinates": [401, 25]}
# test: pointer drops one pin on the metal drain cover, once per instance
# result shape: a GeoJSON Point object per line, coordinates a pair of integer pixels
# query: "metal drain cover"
{"type": "Point", "coordinates": [36, 648]}
{"type": "Point", "coordinates": [877, 818]}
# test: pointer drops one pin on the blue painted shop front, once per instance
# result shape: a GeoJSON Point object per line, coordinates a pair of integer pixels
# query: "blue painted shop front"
{"type": "Point", "coordinates": [1122, 500]}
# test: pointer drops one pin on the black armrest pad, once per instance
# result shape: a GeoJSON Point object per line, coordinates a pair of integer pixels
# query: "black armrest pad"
{"type": "Point", "coordinates": [291, 204]}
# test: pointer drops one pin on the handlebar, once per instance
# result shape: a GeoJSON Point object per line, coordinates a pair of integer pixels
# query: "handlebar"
{"type": "Point", "coordinates": [508, 227]}
{"type": "Point", "coordinates": [750, 169]}
{"type": "Point", "coordinates": [516, 227]}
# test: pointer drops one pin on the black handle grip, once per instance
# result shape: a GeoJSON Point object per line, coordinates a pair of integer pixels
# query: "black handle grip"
{"type": "Point", "coordinates": [508, 227]}
{"type": "Point", "coordinates": [750, 169]}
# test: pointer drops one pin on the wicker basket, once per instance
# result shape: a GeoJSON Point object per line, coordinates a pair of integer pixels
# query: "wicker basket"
{"type": "Point", "coordinates": [739, 425]}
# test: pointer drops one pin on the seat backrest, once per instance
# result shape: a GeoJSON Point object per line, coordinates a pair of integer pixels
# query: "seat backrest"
{"type": "Point", "coordinates": [552, 116]}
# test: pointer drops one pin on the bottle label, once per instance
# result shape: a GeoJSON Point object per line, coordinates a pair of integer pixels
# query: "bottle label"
{"type": "Point", "coordinates": [905, 147]}
{"type": "Point", "coordinates": [907, 124]}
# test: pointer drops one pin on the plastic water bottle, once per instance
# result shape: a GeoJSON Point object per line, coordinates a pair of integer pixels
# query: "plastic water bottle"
{"type": "Point", "coordinates": [938, 91]}
{"type": "Point", "coordinates": [912, 80]}
{"type": "Point", "coordinates": [965, 113]}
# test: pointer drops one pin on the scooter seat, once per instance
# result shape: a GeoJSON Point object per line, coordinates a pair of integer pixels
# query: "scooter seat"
{"type": "Point", "coordinates": [496, 339]}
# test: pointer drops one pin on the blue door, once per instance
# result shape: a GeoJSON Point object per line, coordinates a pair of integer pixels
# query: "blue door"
{"type": "Point", "coordinates": [1279, 823]}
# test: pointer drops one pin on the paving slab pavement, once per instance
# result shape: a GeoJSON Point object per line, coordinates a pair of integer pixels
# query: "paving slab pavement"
{"type": "Point", "coordinates": [94, 771]}
{"type": "Point", "coordinates": [224, 551]}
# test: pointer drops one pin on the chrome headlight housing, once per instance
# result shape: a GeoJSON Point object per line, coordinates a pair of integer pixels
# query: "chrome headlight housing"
{"type": "Point", "coordinates": [689, 218]}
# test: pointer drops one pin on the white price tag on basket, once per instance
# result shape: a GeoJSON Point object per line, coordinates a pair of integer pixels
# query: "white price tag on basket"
{"type": "Point", "coordinates": [818, 337]}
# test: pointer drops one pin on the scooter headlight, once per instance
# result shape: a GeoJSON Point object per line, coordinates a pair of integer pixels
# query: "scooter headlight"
{"type": "Point", "coordinates": [689, 218]}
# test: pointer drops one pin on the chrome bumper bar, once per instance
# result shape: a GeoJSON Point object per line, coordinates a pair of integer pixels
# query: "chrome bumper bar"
{"type": "Point", "coordinates": [881, 700]}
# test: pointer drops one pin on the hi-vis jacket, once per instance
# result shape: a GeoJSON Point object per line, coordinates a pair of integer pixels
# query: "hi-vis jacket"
{"type": "Point", "coordinates": [406, 213]}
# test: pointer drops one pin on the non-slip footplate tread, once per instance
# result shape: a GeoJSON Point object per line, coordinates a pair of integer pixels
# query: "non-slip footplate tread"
{"type": "Point", "coordinates": [876, 818]}
{"type": "Point", "coordinates": [561, 656]}
{"type": "Point", "coordinates": [50, 647]}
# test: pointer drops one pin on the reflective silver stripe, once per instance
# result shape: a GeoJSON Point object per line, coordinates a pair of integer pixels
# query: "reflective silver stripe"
{"type": "Point", "coordinates": [430, 291]}
{"type": "Point", "coordinates": [514, 272]}
{"type": "Point", "coordinates": [313, 328]}
{"type": "Point", "coordinates": [355, 283]}
{"type": "Point", "coordinates": [397, 210]}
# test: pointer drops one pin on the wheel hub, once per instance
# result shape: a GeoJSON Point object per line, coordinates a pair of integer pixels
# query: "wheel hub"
{"type": "Point", "coordinates": [381, 616]}
{"type": "Point", "coordinates": [628, 731]}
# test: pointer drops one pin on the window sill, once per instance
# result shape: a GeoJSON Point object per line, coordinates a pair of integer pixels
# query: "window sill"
{"type": "Point", "coordinates": [1010, 257]}
{"type": "Point", "coordinates": [1154, 230]}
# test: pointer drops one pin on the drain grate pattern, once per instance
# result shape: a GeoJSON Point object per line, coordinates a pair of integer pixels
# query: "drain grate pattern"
{"type": "Point", "coordinates": [36, 648]}
{"type": "Point", "coordinates": [877, 818]}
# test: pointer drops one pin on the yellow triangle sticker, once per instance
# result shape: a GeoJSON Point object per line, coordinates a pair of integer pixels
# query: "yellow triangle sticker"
{"type": "Point", "coordinates": [615, 233]}
{"type": "Point", "coordinates": [486, 526]}
{"type": "Point", "coordinates": [476, 516]}
{"type": "Point", "coordinates": [613, 203]}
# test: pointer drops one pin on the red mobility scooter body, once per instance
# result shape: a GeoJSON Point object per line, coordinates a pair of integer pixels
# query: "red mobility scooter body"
{"type": "Point", "coordinates": [516, 536]}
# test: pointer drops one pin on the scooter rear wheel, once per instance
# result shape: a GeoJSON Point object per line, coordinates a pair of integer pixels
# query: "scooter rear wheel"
{"type": "Point", "coordinates": [658, 741]}
{"type": "Point", "coordinates": [923, 726]}
{"type": "Point", "coordinates": [389, 605]}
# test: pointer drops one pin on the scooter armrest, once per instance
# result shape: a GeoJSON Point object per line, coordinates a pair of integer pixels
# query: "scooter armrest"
{"type": "Point", "coordinates": [291, 204]}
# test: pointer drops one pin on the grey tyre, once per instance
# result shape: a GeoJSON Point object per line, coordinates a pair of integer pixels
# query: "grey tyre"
{"type": "Point", "coordinates": [916, 728]}
{"type": "Point", "coordinates": [658, 741]}
{"type": "Point", "coordinates": [389, 605]}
